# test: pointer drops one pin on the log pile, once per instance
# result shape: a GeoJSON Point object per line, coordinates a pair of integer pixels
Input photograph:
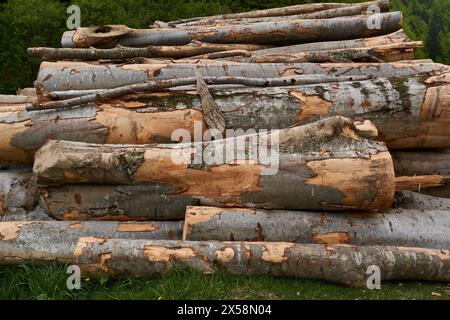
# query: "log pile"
{"type": "Point", "coordinates": [302, 141]}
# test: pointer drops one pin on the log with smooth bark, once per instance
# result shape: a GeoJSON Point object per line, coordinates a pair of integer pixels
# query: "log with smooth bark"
{"type": "Point", "coordinates": [386, 53]}
{"type": "Point", "coordinates": [393, 38]}
{"type": "Point", "coordinates": [414, 162]}
{"type": "Point", "coordinates": [326, 165]}
{"type": "Point", "coordinates": [405, 228]}
{"type": "Point", "coordinates": [160, 85]}
{"type": "Point", "coordinates": [22, 133]}
{"type": "Point", "coordinates": [177, 52]}
{"type": "Point", "coordinates": [352, 10]}
{"type": "Point", "coordinates": [62, 76]}
{"type": "Point", "coordinates": [342, 264]}
{"type": "Point", "coordinates": [268, 33]}
{"type": "Point", "coordinates": [273, 12]}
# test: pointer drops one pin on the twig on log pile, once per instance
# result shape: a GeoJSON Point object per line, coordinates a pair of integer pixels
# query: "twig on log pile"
{"type": "Point", "coordinates": [155, 85]}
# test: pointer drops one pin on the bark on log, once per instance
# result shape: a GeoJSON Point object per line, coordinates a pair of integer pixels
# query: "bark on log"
{"type": "Point", "coordinates": [18, 192]}
{"type": "Point", "coordinates": [346, 11]}
{"type": "Point", "coordinates": [325, 165]}
{"type": "Point", "coordinates": [63, 76]}
{"type": "Point", "coordinates": [408, 112]}
{"type": "Point", "coordinates": [273, 12]}
{"type": "Point", "coordinates": [396, 37]}
{"type": "Point", "coordinates": [119, 52]}
{"type": "Point", "coordinates": [144, 202]}
{"type": "Point", "coordinates": [282, 32]}
{"type": "Point", "coordinates": [22, 133]}
{"type": "Point", "coordinates": [405, 228]}
{"type": "Point", "coordinates": [413, 163]}
{"type": "Point", "coordinates": [419, 201]}
{"type": "Point", "coordinates": [40, 241]}
{"type": "Point", "coordinates": [161, 85]}
{"type": "Point", "coordinates": [342, 264]}
{"type": "Point", "coordinates": [386, 53]}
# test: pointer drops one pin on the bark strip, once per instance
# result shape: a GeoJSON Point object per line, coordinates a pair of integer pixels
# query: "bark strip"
{"type": "Point", "coordinates": [325, 165]}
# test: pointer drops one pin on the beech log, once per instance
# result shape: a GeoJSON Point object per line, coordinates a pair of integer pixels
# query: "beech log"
{"type": "Point", "coordinates": [353, 10]}
{"type": "Point", "coordinates": [62, 76]}
{"type": "Point", "coordinates": [386, 53]}
{"type": "Point", "coordinates": [326, 165]}
{"type": "Point", "coordinates": [405, 228]}
{"type": "Point", "coordinates": [431, 162]}
{"type": "Point", "coordinates": [272, 12]}
{"type": "Point", "coordinates": [39, 241]}
{"type": "Point", "coordinates": [145, 202]}
{"type": "Point", "coordinates": [268, 33]}
{"type": "Point", "coordinates": [409, 112]}
{"type": "Point", "coordinates": [342, 264]}
{"type": "Point", "coordinates": [177, 52]}
{"type": "Point", "coordinates": [420, 201]}
{"type": "Point", "coordinates": [22, 133]}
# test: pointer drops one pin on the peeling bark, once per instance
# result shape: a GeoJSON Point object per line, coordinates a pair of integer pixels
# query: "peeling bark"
{"type": "Point", "coordinates": [273, 12]}
{"type": "Point", "coordinates": [63, 76]}
{"type": "Point", "coordinates": [409, 112]}
{"type": "Point", "coordinates": [342, 264]}
{"type": "Point", "coordinates": [386, 53]}
{"type": "Point", "coordinates": [325, 165]}
{"type": "Point", "coordinates": [405, 228]}
{"type": "Point", "coordinates": [22, 133]}
{"type": "Point", "coordinates": [283, 32]}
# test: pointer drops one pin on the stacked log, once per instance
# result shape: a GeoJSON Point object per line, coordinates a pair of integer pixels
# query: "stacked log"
{"type": "Point", "coordinates": [305, 134]}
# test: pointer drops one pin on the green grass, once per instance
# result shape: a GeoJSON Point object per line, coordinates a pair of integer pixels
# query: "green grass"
{"type": "Point", "coordinates": [49, 282]}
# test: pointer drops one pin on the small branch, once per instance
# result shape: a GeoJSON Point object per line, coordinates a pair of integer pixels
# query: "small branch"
{"type": "Point", "coordinates": [213, 117]}
{"type": "Point", "coordinates": [157, 85]}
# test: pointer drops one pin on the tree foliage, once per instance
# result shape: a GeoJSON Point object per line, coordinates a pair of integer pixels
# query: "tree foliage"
{"type": "Point", "coordinates": [30, 23]}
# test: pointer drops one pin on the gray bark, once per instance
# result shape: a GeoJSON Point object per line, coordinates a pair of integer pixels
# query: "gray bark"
{"type": "Point", "coordinates": [404, 228]}
{"type": "Point", "coordinates": [83, 76]}
{"type": "Point", "coordinates": [342, 264]}
{"type": "Point", "coordinates": [325, 165]}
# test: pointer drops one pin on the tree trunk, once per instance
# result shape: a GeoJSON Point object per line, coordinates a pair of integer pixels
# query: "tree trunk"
{"type": "Point", "coordinates": [146, 202]}
{"type": "Point", "coordinates": [63, 76]}
{"type": "Point", "coordinates": [325, 165]}
{"type": "Point", "coordinates": [148, 258]}
{"type": "Point", "coordinates": [11, 100]}
{"type": "Point", "coordinates": [408, 112]}
{"type": "Point", "coordinates": [405, 228]}
{"type": "Point", "coordinates": [386, 53]}
{"type": "Point", "coordinates": [18, 192]}
{"type": "Point", "coordinates": [393, 38]}
{"type": "Point", "coordinates": [273, 12]}
{"type": "Point", "coordinates": [165, 84]}
{"type": "Point", "coordinates": [268, 33]}
{"type": "Point", "coordinates": [45, 241]}
{"type": "Point", "coordinates": [425, 163]}
{"type": "Point", "coordinates": [117, 53]}
{"type": "Point", "coordinates": [22, 133]}
{"type": "Point", "coordinates": [346, 11]}
{"type": "Point", "coordinates": [419, 201]}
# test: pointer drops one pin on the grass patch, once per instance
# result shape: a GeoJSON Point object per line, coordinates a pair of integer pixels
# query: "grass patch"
{"type": "Point", "coordinates": [49, 282]}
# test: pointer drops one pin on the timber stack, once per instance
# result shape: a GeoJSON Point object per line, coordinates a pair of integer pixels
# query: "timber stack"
{"type": "Point", "coordinates": [302, 141]}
